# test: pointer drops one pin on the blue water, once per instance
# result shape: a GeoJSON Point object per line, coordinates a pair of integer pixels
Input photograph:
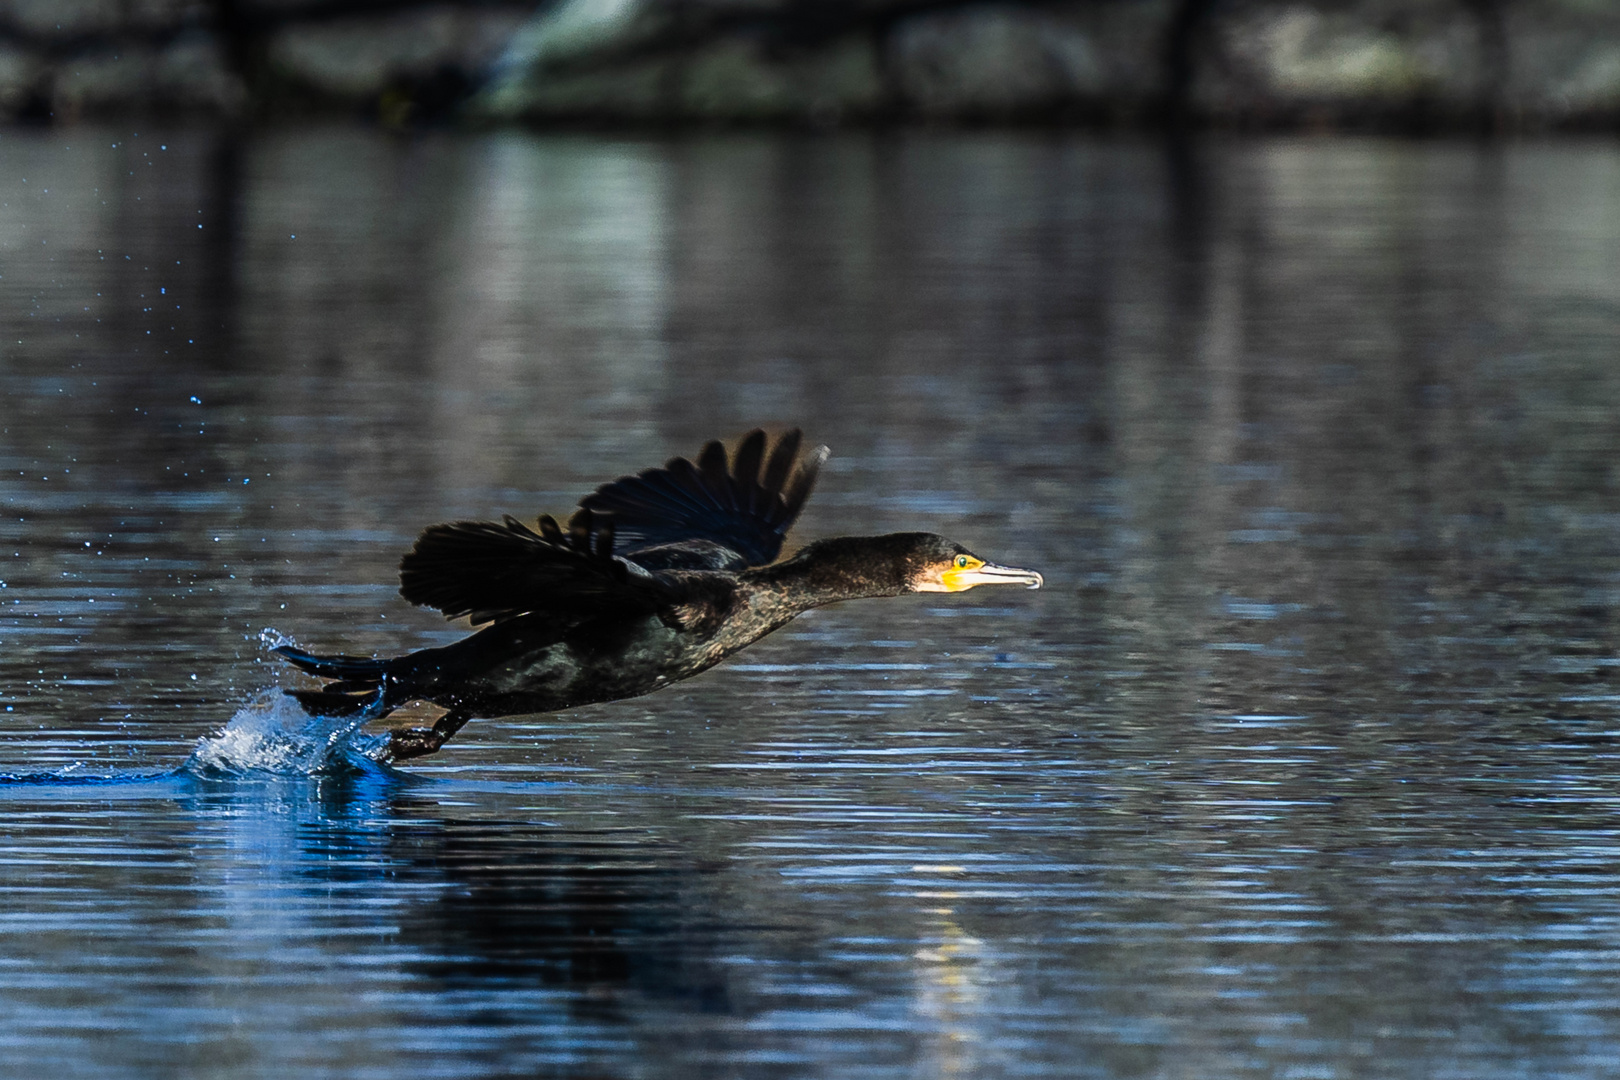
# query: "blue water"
{"type": "Point", "coordinates": [1301, 765]}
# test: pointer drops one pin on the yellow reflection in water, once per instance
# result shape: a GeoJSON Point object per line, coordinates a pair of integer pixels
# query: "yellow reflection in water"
{"type": "Point", "coordinates": [952, 988]}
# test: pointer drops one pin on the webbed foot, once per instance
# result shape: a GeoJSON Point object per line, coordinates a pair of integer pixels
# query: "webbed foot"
{"type": "Point", "coordinates": [419, 742]}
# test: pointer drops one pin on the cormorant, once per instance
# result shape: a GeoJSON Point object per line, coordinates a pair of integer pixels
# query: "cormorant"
{"type": "Point", "coordinates": [657, 577]}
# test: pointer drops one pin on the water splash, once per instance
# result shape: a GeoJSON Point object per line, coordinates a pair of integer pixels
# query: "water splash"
{"type": "Point", "coordinates": [269, 736]}
{"type": "Point", "coordinates": [269, 739]}
{"type": "Point", "coordinates": [273, 734]}
{"type": "Point", "coordinates": [271, 639]}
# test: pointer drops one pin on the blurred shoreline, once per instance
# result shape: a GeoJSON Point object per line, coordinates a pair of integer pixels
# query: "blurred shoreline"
{"type": "Point", "coordinates": [1418, 66]}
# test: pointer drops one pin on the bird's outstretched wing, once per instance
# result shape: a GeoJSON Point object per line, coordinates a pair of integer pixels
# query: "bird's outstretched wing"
{"type": "Point", "coordinates": [493, 571]}
{"type": "Point", "coordinates": [745, 501]}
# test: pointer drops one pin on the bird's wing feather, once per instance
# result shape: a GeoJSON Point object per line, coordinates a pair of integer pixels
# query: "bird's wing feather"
{"type": "Point", "coordinates": [745, 501]}
{"type": "Point", "coordinates": [493, 571]}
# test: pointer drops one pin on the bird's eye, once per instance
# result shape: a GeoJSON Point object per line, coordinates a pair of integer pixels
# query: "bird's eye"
{"type": "Point", "coordinates": [961, 562]}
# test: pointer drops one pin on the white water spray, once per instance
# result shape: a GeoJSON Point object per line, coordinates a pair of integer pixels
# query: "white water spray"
{"type": "Point", "coordinates": [272, 734]}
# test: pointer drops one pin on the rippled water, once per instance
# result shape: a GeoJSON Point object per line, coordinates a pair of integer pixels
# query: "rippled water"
{"type": "Point", "coordinates": [1301, 766]}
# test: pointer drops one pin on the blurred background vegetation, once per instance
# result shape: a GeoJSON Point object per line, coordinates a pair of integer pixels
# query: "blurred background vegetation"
{"type": "Point", "coordinates": [1388, 64]}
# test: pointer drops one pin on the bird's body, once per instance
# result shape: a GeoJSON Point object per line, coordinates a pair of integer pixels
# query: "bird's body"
{"type": "Point", "coordinates": [575, 624]}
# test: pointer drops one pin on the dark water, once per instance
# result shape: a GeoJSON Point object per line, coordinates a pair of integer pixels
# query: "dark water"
{"type": "Point", "coordinates": [1303, 765]}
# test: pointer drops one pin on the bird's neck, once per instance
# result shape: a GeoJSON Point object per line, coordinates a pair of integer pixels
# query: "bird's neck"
{"type": "Point", "coordinates": [825, 572]}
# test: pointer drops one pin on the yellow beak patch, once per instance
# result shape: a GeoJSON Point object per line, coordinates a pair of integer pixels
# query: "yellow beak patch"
{"type": "Point", "coordinates": [960, 575]}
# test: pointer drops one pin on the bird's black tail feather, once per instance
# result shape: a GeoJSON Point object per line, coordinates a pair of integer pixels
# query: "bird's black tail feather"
{"type": "Point", "coordinates": [351, 669]}
{"type": "Point", "coordinates": [358, 685]}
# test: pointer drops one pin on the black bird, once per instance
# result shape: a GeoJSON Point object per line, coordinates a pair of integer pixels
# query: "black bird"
{"type": "Point", "coordinates": [657, 577]}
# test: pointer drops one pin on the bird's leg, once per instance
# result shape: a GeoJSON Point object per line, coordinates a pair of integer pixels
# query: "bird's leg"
{"type": "Point", "coordinates": [419, 742]}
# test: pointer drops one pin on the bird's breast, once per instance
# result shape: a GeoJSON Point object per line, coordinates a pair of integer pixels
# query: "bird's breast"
{"type": "Point", "coordinates": [600, 663]}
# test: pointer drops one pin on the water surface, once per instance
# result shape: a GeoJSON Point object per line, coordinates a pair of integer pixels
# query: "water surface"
{"type": "Point", "coordinates": [1302, 765]}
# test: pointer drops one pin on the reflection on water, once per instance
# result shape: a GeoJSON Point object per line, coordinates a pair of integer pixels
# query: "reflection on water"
{"type": "Point", "coordinates": [1302, 765]}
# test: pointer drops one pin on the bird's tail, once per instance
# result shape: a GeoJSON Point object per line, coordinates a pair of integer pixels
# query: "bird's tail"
{"type": "Point", "coordinates": [358, 685]}
{"type": "Point", "coordinates": [355, 669]}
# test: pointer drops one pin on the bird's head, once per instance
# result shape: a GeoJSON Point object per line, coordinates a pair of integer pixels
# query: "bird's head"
{"type": "Point", "coordinates": [935, 564]}
{"type": "Point", "coordinates": [846, 567]}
